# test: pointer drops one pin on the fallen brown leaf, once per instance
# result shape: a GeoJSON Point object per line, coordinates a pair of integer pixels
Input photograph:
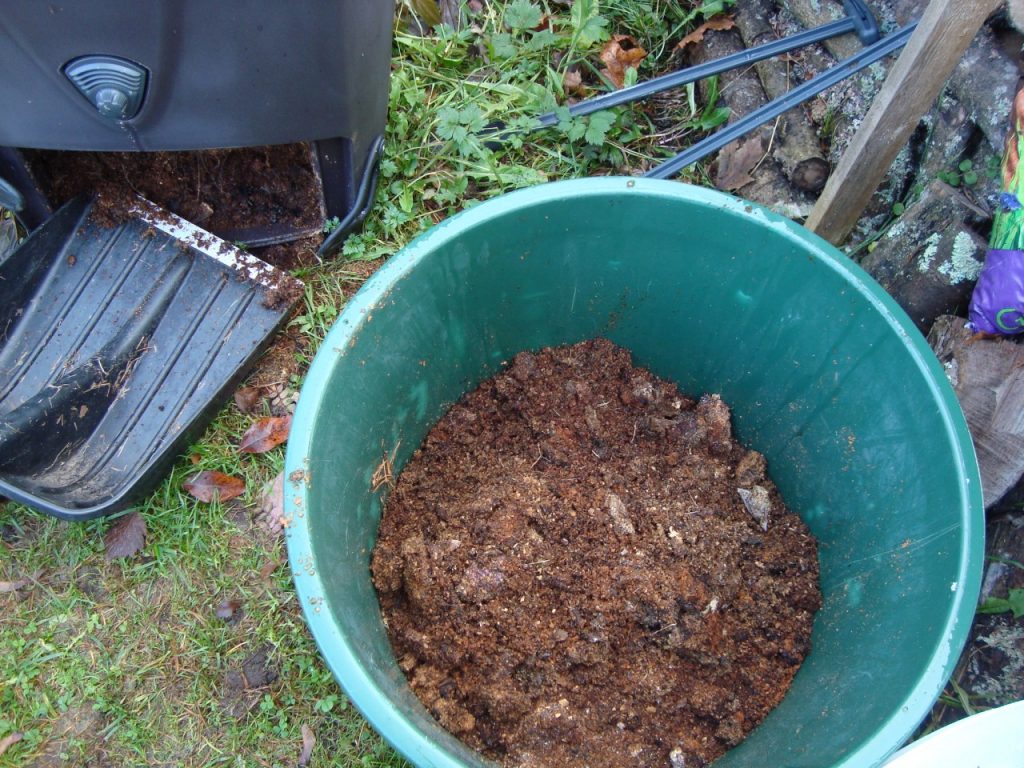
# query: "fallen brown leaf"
{"type": "Point", "coordinates": [272, 505]}
{"type": "Point", "coordinates": [126, 536]}
{"type": "Point", "coordinates": [209, 485]}
{"type": "Point", "coordinates": [226, 610]}
{"type": "Point", "coordinates": [572, 82]}
{"type": "Point", "coordinates": [428, 11]}
{"type": "Point", "coordinates": [736, 161]}
{"type": "Point", "coordinates": [619, 54]}
{"type": "Point", "coordinates": [247, 400]}
{"type": "Point", "coordinates": [308, 742]}
{"type": "Point", "coordinates": [9, 740]}
{"type": "Point", "coordinates": [269, 567]}
{"type": "Point", "coordinates": [14, 586]}
{"type": "Point", "coordinates": [266, 434]}
{"type": "Point", "coordinates": [718, 23]}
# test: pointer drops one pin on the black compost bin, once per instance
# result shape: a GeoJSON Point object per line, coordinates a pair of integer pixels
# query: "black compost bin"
{"type": "Point", "coordinates": [189, 74]}
{"type": "Point", "coordinates": [119, 342]}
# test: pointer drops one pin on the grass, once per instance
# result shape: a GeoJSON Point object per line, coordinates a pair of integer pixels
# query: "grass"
{"type": "Point", "coordinates": [140, 640]}
{"type": "Point", "coordinates": [127, 663]}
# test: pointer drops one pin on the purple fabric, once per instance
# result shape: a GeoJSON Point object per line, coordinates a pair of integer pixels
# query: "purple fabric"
{"type": "Point", "coordinates": [997, 305]}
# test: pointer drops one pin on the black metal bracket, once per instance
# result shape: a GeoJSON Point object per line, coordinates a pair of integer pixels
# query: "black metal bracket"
{"type": "Point", "coordinates": [864, 23]}
{"type": "Point", "coordinates": [360, 204]}
{"type": "Point", "coordinates": [869, 55]}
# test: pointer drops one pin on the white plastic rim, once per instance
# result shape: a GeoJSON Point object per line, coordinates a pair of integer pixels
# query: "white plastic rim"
{"type": "Point", "coordinates": [992, 739]}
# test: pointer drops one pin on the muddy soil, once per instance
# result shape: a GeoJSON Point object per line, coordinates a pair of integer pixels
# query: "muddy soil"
{"type": "Point", "coordinates": [222, 190]}
{"type": "Point", "coordinates": [580, 566]}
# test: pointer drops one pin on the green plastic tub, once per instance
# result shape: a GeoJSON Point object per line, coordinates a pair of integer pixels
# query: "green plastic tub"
{"type": "Point", "coordinates": [826, 375]}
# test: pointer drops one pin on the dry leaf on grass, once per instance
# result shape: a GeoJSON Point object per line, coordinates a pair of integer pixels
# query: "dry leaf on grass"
{"type": "Point", "coordinates": [427, 10]}
{"type": "Point", "coordinates": [269, 567]}
{"type": "Point", "coordinates": [265, 434]}
{"type": "Point", "coordinates": [9, 740]}
{"type": "Point", "coordinates": [308, 742]}
{"type": "Point", "coordinates": [272, 505]}
{"type": "Point", "coordinates": [210, 485]}
{"type": "Point", "coordinates": [226, 610]}
{"type": "Point", "coordinates": [619, 54]}
{"type": "Point", "coordinates": [572, 82]}
{"type": "Point", "coordinates": [719, 23]}
{"type": "Point", "coordinates": [737, 160]}
{"type": "Point", "coordinates": [247, 400]}
{"type": "Point", "coordinates": [125, 537]}
{"type": "Point", "coordinates": [14, 586]}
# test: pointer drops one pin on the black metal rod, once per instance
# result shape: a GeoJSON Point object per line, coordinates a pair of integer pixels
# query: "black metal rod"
{"type": "Point", "coordinates": [869, 55]}
{"type": "Point", "coordinates": [692, 74]}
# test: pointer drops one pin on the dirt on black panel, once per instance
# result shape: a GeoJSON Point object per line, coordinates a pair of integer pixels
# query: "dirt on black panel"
{"type": "Point", "coordinates": [219, 190]}
{"type": "Point", "coordinates": [273, 191]}
{"type": "Point", "coordinates": [581, 567]}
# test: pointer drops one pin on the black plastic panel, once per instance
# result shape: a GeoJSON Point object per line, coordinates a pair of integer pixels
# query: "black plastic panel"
{"type": "Point", "coordinates": [116, 346]}
{"type": "Point", "coordinates": [221, 74]}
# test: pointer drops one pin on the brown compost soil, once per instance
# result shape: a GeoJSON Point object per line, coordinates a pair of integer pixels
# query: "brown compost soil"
{"type": "Point", "coordinates": [574, 569]}
{"type": "Point", "coordinates": [221, 190]}
{"type": "Point", "coordinates": [229, 192]}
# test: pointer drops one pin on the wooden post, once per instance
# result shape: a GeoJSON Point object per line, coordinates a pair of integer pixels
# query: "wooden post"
{"type": "Point", "coordinates": [945, 30]}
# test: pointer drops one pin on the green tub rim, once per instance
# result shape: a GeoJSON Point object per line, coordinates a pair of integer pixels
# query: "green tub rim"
{"type": "Point", "coordinates": [374, 705]}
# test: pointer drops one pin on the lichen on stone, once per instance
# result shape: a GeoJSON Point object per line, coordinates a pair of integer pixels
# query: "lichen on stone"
{"type": "Point", "coordinates": [924, 261]}
{"type": "Point", "coordinates": [896, 229]}
{"type": "Point", "coordinates": [961, 265]}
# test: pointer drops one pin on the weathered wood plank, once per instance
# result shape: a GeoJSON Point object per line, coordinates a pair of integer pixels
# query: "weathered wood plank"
{"type": "Point", "coordinates": [943, 34]}
{"type": "Point", "coordinates": [988, 376]}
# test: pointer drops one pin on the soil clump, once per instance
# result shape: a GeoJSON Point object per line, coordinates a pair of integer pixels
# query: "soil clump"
{"type": "Point", "coordinates": [581, 567]}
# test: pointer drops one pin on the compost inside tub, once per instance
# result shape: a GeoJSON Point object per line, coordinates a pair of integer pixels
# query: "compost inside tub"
{"type": "Point", "coordinates": [580, 566]}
